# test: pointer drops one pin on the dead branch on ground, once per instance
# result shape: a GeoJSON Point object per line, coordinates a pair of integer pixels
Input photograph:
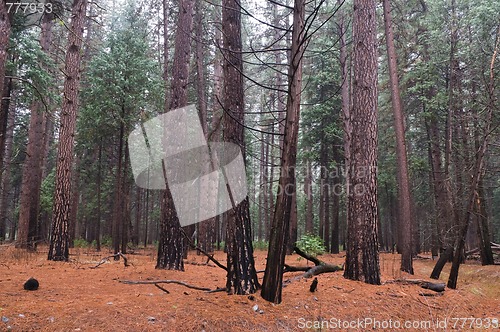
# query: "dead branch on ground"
{"type": "Point", "coordinates": [310, 271]}
{"type": "Point", "coordinates": [436, 287]}
{"type": "Point", "coordinates": [154, 282]}
{"type": "Point", "coordinates": [210, 257]}
{"type": "Point", "coordinates": [163, 289]}
{"type": "Point", "coordinates": [106, 259]}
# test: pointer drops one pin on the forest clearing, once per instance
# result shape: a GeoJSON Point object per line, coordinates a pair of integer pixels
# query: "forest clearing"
{"type": "Point", "coordinates": [75, 297]}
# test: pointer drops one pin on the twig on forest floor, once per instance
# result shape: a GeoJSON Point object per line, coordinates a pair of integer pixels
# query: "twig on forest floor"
{"type": "Point", "coordinates": [106, 259]}
{"type": "Point", "coordinates": [210, 257]}
{"type": "Point", "coordinates": [222, 289]}
{"type": "Point", "coordinates": [154, 282]}
{"type": "Point", "coordinates": [163, 289]}
{"type": "Point", "coordinates": [199, 264]}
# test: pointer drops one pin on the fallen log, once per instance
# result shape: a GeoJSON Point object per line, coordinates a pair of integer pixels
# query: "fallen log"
{"type": "Point", "coordinates": [437, 287]}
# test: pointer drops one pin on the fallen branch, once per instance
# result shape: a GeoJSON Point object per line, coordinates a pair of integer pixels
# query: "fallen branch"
{"type": "Point", "coordinates": [222, 289]}
{"type": "Point", "coordinates": [210, 257]}
{"type": "Point", "coordinates": [310, 271]}
{"type": "Point", "coordinates": [289, 268]}
{"type": "Point", "coordinates": [324, 268]}
{"type": "Point", "coordinates": [154, 282]}
{"type": "Point", "coordinates": [437, 287]}
{"type": "Point", "coordinates": [106, 259]}
{"type": "Point", "coordinates": [430, 294]}
{"type": "Point", "coordinates": [199, 264]}
{"type": "Point", "coordinates": [313, 259]}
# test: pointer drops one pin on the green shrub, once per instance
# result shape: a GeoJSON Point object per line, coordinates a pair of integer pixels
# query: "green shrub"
{"type": "Point", "coordinates": [311, 245]}
{"type": "Point", "coordinates": [80, 243]}
{"type": "Point", "coordinates": [106, 241]}
{"type": "Point", "coordinates": [260, 245]}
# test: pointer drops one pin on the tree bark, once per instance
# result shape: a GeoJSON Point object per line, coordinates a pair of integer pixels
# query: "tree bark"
{"type": "Point", "coordinates": [59, 241]}
{"type": "Point", "coordinates": [273, 277]}
{"type": "Point", "coordinates": [362, 258]}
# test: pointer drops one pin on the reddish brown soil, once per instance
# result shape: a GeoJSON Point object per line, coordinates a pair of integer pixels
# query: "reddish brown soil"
{"type": "Point", "coordinates": [74, 297]}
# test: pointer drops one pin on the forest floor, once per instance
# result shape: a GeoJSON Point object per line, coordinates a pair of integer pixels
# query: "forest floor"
{"type": "Point", "coordinates": [75, 297]}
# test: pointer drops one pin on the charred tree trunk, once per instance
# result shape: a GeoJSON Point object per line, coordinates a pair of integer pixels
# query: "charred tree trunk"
{"type": "Point", "coordinates": [170, 247]}
{"type": "Point", "coordinates": [241, 273]}
{"type": "Point", "coordinates": [362, 258]}
{"type": "Point", "coordinates": [59, 241]}
{"type": "Point", "coordinates": [273, 277]}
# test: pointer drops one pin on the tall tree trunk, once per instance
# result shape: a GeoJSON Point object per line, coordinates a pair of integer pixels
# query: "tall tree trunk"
{"type": "Point", "coordinates": [118, 194]}
{"type": "Point", "coordinates": [362, 258]}
{"type": "Point", "coordinates": [477, 172]}
{"type": "Point", "coordinates": [30, 187]}
{"type": "Point", "coordinates": [59, 241]}
{"type": "Point", "coordinates": [74, 223]}
{"type": "Point", "coordinates": [308, 194]}
{"type": "Point", "coordinates": [206, 227]}
{"type": "Point", "coordinates": [138, 216]}
{"type": "Point", "coordinates": [170, 247]}
{"type": "Point", "coordinates": [262, 184]}
{"type": "Point", "coordinates": [5, 27]}
{"type": "Point", "coordinates": [346, 105]}
{"type": "Point", "coordinates": [405, 215]}
{"type": "Point", "coordinates": [99, 186]}
{"type": "Point", "coordinates": [241, 273]}
{"type": "Point", "coordinates": [5, 189]}
{"type": "Point", "coordinates": [326, 206]}
{"type": "Point", "coordinates": [483, 228]}
{"type": "Point", "coordinates": [125, 202]}
{"type": "Point", "coordinates": [273, 277]}
{"type": "Point", "coordinates": [335, 193]}
{"type": "Point", "coordinates": [322, 176]}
